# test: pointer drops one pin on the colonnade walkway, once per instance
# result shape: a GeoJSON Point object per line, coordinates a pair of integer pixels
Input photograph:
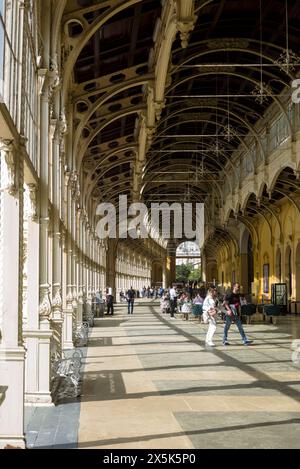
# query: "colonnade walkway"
{"type": "Point", "coordinates": [149, 382]}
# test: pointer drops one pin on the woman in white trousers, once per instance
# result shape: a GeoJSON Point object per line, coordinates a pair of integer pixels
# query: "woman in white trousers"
{"type": "Point", "coordinates": [209, 315]}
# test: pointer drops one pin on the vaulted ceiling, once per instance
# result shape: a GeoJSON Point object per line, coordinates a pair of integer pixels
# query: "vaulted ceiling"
{"type": "Point", "coordinates": [230, 71]}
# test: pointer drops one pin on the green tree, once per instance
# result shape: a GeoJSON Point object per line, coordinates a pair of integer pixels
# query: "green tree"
{"type": "Point", "coordinates": [182, 272]}
{"type": "Point", "coordinates": [195, 274]}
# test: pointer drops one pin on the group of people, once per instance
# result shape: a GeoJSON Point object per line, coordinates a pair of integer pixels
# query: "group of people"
{"type": "Point", "coordinates": [153, 292]}
{"type": "Point", "coordinates": [211, 305]}
{"type": "Point", "coordinates": [208, 299]}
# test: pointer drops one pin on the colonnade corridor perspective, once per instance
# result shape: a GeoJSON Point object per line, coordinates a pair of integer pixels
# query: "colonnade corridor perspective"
{"type": "Point", "coordinates": [128, 130]}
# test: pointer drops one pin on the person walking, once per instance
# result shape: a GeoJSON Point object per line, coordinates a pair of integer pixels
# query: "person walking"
{"type": "Point", "coordinates": [232, 304]}
{"type": "Point", "coordinates": [210, 315]}
{"type": "Point", "coordinates": [173, 301]}
{"type": "Point", "coordinates": [109, 301]}
{"type": "Point", "coordinates": [130, 300]}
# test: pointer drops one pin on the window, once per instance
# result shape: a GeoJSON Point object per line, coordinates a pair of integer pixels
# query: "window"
{"type": "Point", "coordinates": [266, 278]}
{"type": "Point", "coordinates": [233, 277]}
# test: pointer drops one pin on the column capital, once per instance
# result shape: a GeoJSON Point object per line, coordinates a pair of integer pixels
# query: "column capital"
{"type": "Point", "coordinates": [69, 297]}
{"type": "Point", "coordinates": [33, 189]}
{"type": "Point", "coordinates": [73, 182]}
{"type": "Point", "coordinates": [8, 149]}
{"type": "Point", "coordinates": [44, 305]}
{"type": "Point", "coordinates": [56, 301]}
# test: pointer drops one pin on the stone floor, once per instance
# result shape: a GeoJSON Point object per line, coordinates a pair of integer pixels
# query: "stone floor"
{"type": "Point", "coordinates": [149, 382]}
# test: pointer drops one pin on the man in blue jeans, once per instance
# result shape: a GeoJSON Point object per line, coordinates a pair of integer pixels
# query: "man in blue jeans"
{"type": "Point", "coordinates": [130, 299]}
{"type": "Point", "coordinates": [232, 304]}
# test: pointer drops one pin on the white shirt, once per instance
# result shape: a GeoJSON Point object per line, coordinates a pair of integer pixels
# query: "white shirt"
{"type": "Point", "coordinates": [110, 291]}
{"type": "Point", "coordinates": [209, 303]}
{"type": "Point", "coordinates": [173, 294]}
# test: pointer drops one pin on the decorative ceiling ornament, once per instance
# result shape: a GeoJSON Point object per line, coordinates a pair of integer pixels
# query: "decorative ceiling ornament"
{"type": "Point", "coordinates": [229, 132]}
{"type": "Point", "coordinates": [287, 61]}
{"type": "Point", "coordinates": [262, 92]}
{"type": "Point", "coordinates": [288, 58]}
{"type": "Point", "coordinates": [185, 27]}
{"type": "Point", "coordinates": [217, 145]}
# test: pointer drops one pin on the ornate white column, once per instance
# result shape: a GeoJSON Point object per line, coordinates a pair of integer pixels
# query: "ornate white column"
{"type": "Point", "coordinates": [79, 268]}
{"type": "Point", "coordinates": [57, 248]}
{"type": "Point", "coordinates": [12, 351]}
{"type": "Point", "coordinates": [57, 307]}
{"type": "Point", "coordinates": [88, 269]}
{"type": "Point", "coordinates": [94, 264]}
{"type": "Point", "coordinates": [75, 192]}
{"type": "Point", "coordinates": [32, 333]}
{"type": "Point", "coordinates": [45, 332]}
{"type": "Point", "coordinates": [68, 311]}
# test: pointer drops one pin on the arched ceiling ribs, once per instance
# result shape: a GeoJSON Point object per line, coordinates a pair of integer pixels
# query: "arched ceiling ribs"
{"type": "Point", "coordinates": [231, 48]}
{"type": "Point", "coordinates": [56, 25]}
{"type": "Point", "coordinates": [162, 189]}
{"type": "Point", "coordinates": [276, 176]}
{"type": "Point", "coordinates": [103, 160]}
{"type": "Point", "coordinates": [184, 164]}
{"type": "Point", "coordinates": [246, 200]}
{"type": "Point", "coordinates": [77, 44]}
{"type": "Point", "coordinates": [200, 119]}
{"type": "Point", "coordinates": [201, 4]}
{"type": "Point", "coordinates": [166, 194]}
{"type": "Point", "coordinates": [260, 214]}
{"type": "Point", "coordinates": [86, 116]}
{"type": "Point", "coordinates": [261, 189]}
{"type": "Point", "coordinates": [105, 84]}
{"type": "Point", "coordinates": [252, 229]}
{"type": "Point", "coordinates": [234, 74]}
{"type": "Point", "coordinates": [93, 183]}
{"type": "Point", "coordinates": [108, 185]}
{"type": "Point", "coordinates": [204, 145]}
{"type": "Point", "coordinates": [209, 180]}
{"type": "Point", "coordinates": [154, 160]}
{"type": "Point", "coordinates": [229, 236]}
{"type": "Point", "coordinates": [200, 102]}
{"type": "Point", "coordinates": [115, 116]}
{"type": "Point", "coordinates": [218, 239]}
{"type": "Point", "coordinates": [235, 118]}
{"type": "Point", "coordinates": [293, 202]}
{"type": "Point", "coordinates": [189, 121]}
{"type": "Point", "coordinates": [290, 182]}
{"type": "Point", "coordinates": [109, 192]}
{"type": "Point", "coordinates": [273, 214]}
{"type": "Point", "coordinates": [100, 150]}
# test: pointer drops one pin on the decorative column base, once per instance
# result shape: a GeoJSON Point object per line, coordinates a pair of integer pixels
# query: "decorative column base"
{"type": "Point", "coordinates": [38, 399]}
{"type": "Point", "coordinates": [12, 441]}
{"type": "Point", "coordinates": [12, 407]}
{"type": "Point", "coordinates": [37, 367]}
{"type": "Point", "coordinates": [68, 329]}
